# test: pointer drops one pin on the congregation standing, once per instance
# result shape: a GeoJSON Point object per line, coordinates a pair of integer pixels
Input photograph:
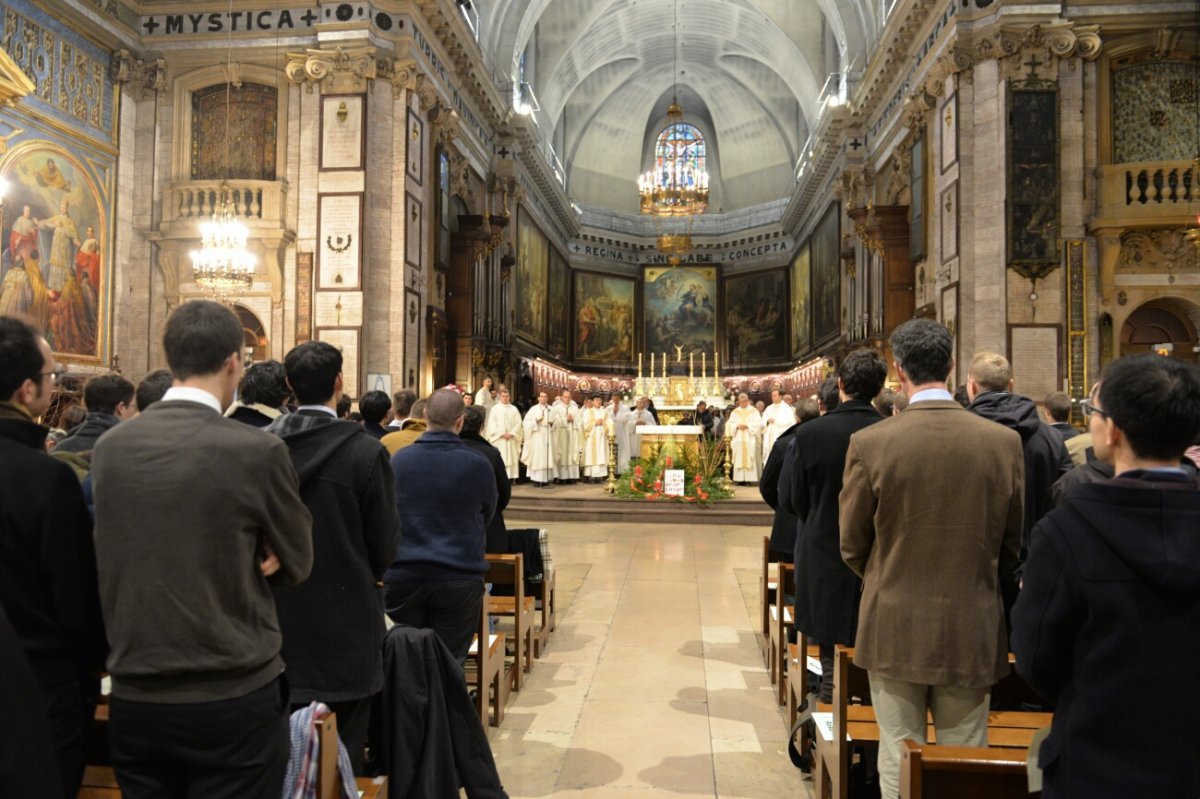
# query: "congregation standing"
{"type": "Point", "coordinates": [243, 527]}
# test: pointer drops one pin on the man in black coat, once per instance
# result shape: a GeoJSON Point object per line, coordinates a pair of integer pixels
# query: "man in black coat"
{"type": "Point", "coordinates": [1056, 411]}
{"type": "Point", "coordinates": [109, 401]}
{"type": "Point", "coordinates": [1109, 615]}
{"type": "Point", "coordinates": [261, 395]}
{"type": "Point", "coordinates": [48, 584]}
{"type": "Point", "coordinates": [332, 623]}
{"type": "Point", "coordinates": [473, 419]}
{"type": "Point", "coordinates": [827, 591]}
{"type": "Point", "coordinates": [990, 385]}
{"type": "Point", "coordinates": [374, 407]}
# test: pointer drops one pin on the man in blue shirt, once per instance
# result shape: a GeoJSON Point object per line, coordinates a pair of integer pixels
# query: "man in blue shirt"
{"type": "Point", "coordinates": [446, 495]}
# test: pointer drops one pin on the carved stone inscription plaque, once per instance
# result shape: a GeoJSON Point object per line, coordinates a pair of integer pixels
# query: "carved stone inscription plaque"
{"type": "Point", "coordinates": [339, 241]}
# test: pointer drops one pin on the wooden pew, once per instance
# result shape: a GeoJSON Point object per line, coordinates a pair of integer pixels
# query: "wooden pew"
{"type": "Point", "coordinates": [328, 774]}
{"type": "Point", "coordinates": [781, 613]}
{"type": "Point", "coordinates": [854, 723]}
{"type": "Point", "coordinates": [766, 593]}
{"type": "Point", "coordinates": [508, 572]}
{"type": "Point", "coordinates": [486, 656]}
{"type": "Point", "coordinates": [950, 772]}
{"type": "Point", "coordinates": [545, 598]}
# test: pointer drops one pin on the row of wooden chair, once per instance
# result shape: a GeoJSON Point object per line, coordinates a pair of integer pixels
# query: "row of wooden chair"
{"type": "Point", "coordinates": [528, 620]}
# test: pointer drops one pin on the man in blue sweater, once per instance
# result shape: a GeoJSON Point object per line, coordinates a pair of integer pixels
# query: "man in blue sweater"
{"type": "Point", "coordinates": [446, 495]}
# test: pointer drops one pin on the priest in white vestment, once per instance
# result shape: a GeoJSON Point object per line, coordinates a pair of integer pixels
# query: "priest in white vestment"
{"type": "Point", "coordinates": [777, 418]}
{"type": "Point", "coordinates": [742, 430]}
{"type": "Point", "coordinates": [568, 426]}
{"type": "Point", "coordinates": [618, 419]}
{"type": "Point", "coordinates": [503, 431]}
{"type": "Point", "coordinates": [538, 451]}
{"type": "Point", "coordinates": [640, 417]}
{"type": "Point", "coordinates": [595, 442]}
{"type": "Point", "coordinates": [483, 397]}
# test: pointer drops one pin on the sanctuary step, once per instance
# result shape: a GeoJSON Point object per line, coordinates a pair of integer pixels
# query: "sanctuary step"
{"type": "Point", "coordinates": [588, 503]}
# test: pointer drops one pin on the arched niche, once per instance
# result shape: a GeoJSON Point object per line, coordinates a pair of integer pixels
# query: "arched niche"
{"type": "Point", "coordinates": [1163, 321]}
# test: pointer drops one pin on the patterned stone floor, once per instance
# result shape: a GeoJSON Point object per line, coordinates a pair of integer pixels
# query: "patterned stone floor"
{"type": "Point", "coordinates": [654, 683]}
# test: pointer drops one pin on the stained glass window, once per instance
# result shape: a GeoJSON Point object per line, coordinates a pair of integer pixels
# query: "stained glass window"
{"type": "Point", "coordinates": [679, 155]}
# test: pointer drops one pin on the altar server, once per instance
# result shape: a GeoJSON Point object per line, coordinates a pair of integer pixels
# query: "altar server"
{"type": "Point", "coordinates": [618, 419]}
{"type": "Point", "coordinates": [503, 431]}
{"type": "Point", "coordinates": [640, 417]}
{"type": "Point", "coordinates": [483, 397]}
{"type": "Point", "coordinates": [595, 449]}
{"type": "Point", "coordinates": [777, 417]}
{"type": "Point", "coordinates": [568, 435]}
{"type": "Point", "coordinates": [538, 451]}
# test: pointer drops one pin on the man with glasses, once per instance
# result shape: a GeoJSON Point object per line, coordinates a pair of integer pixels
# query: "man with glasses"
{"type": "Point", "coordinates": [1092, 470]}
{"type": "Point", "coordinates": [47, 561]}
{"type": "Point", "coordinates": [1109, 612]}
{"type": "Point", "coordinates": [198, 517]}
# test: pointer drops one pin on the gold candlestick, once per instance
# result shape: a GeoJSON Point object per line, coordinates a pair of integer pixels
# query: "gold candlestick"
{"type": "Point", "coordinates": [610, 485]}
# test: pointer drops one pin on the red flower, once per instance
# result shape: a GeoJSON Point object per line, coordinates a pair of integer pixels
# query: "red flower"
{"type": "Point", "coordinates": [699, 479]}
{"type": "Point", "coordinates": [637, 470]}
{"type": "Point", "coordinates": [658, 485]}
{"type": "Point", "coordinates": [668, 461]}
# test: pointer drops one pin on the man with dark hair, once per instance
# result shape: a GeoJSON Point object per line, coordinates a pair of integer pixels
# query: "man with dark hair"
{"type": "Point", "coordinates": [403, 402]}
{"type": "Point", "coordinates": [1091, 470]}
{"type": "Point", "coordinates": [374, 406]}
{"type": "Point", "coordinates": [1110, 609]}
{"type": "Point", "coordinates": [197, 518]}
{"type": "Point", "coordinates": [414, 427]}
{"type": "Point", "coordinates": [474, 417]}
{"type": "Point", "coordinates": [48, 584]}
{"type": "Point", "coordinates": [152, 388]}
{"type": "Point", "coordinates": [347, 484]}
{"type": "Point", "coordinates": [930, 518]}
{"type": "Point", "coordinates": [702, 417]}
{"type": "Point", "coordinates": [782, 542]}
{"type": "Point", "coordinates": [109, 401]}
{"type": "Point", "coordinates": [827, 591]}
{"type": "Point", "coordinates": [446, 494]}
{"type": "Point", "coordinates": [343, 407]}
{"type": "Point", "coordinates": [1056, 410]}
{"type": "Point", "coordinates": [990, 386]}
{"type": "Point", "coordinates": [261, 395]}
{"type": "Point", "coordinates": [827, 394]}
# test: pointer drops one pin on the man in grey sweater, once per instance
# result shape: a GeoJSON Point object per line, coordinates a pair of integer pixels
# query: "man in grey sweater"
{"type": "Point", "coordinates": [197, 517]}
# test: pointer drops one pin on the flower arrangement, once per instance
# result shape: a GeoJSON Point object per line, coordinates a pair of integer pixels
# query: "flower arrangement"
{"type": "Point", "coordinates": [703, 481]}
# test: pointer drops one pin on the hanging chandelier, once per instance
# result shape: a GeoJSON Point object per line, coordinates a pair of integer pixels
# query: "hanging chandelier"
{"type": "Point", "coordinates": [223, 265]}
{"type": "Point", "coordinates": [678, 183]}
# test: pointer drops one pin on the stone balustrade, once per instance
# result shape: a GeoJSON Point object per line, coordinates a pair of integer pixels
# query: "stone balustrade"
{"type": "Point", "coordinates": [255, 202]}
{"type": "Point", "coordinates": [1147, 190]}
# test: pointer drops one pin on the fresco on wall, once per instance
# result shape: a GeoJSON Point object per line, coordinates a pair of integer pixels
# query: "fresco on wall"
{"type": "Point", "coordinates": [680, 307]}
{"type": "Point", "coordinates": [604, 314]}
{"type": "Point", "coordinates": [826, 277]}
{"type": "Point", "coordinates": [53, 267]}
{"type": "Point", "coordinates": [756, 317]}
{"type": "Point", "coordinates": [532, 252]}
{"type": "Point", "coordinates": [559, 305]}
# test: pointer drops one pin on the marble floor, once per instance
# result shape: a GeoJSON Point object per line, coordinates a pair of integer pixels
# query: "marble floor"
{"type": "Point", "coordinates": [654, 683]}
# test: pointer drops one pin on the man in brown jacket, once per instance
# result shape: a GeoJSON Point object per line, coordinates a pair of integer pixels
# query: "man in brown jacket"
{"type": "Point", "coordinates": [197, 518]}
{"type": "Point", "coordinates": [931, 516]}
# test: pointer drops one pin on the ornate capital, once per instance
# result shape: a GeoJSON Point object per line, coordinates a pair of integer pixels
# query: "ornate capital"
{"type": "Point", "coordinates": [337, 70]}
{"type": "Point", "coordinates": [141, 77]}
{"type": "Point", "coordinates": [445, 125]}
{"type": "Point", "coordinates": [460, 183]}
{"type": "Point", "coordinates": [1033, 52]}
{"type": "Point", "coordinates": [426, 93]}
{"type": "Point", "coordinates": [401, 73]}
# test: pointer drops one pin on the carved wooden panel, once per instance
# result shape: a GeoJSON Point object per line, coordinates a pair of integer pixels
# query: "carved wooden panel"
{"type": "Point", "coordinates": [252, 130]}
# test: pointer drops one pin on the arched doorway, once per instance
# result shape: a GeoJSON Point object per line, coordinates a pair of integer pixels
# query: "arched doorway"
{"type": "Point", "coordinates": [1167, 325]}
{"type": "Point", "coordinates": [257, 345]}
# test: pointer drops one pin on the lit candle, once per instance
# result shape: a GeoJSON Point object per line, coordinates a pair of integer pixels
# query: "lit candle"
{"type": "Point", "coordinates": [703, 361]}
{"type": "Point", "coordinates": [714, 363]}
{"type": "Point", "coordinates": [652, 365]}
{"type": "Point", "coordinates": [691, 363]}
{"type": "Point", "coordinates": [664, 364]}
{"type": "Point", "coordinates": [639, 364]}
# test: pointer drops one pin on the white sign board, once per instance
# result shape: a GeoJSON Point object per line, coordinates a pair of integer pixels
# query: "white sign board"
{"type": "Point", "coordinates": [673, 482]}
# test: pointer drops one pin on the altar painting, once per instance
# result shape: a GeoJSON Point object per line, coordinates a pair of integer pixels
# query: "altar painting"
{"type": "Point", "coordinates": [53, 248]}
{"type": "Point", "coordinates": [756, 317]}
{"type": "Point", "coordinates": [680, 303]}
{"type": "Point", "coordinates": [604, 318]}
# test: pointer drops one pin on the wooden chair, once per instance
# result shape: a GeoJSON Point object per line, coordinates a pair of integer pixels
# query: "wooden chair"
{"type": "Point", "coordinates": [781, 611]}
{"type": "Point", "coordinates": [487, 658]}
{"type": "Point", "coordinates": [854, 723]}
{"type": "Point", "coordinates": [99, 782]}
{"type": "Point", "coordinates": [766, 593]}
{"type": "Point", "coordinates": [545, 598]}
{"type": "Point", "coordinates": [950, 772]}
{"type": "Point", "coordinates": [797, 674]}
{"type": "Point", "coordinates": [508, 571]}
{"type": "Point", "coordinates": [328, 774]}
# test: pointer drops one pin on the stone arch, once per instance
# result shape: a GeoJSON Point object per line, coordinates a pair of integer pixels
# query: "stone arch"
{"type": "Point", "coordinates": [1171, 322]}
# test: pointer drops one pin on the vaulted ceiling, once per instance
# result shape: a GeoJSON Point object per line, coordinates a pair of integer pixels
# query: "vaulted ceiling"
{"type": "Point", "coordinates": [749, 74]}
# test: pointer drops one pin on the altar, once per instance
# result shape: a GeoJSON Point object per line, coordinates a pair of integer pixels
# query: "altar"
{"type": "Point", "coordinates": [671, 437]}
{"type": "Point", "coordinates": [675, 394]}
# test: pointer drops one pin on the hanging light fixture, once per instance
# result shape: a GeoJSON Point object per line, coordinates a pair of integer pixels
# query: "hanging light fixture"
{"type": "Point", "coordinates": [223, 265]}
{"type": "Point", "coordinates": [677, 185]}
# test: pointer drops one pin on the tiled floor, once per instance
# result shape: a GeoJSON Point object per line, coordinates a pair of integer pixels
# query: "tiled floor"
{"type": "Point", "coordinates": [653, 684]}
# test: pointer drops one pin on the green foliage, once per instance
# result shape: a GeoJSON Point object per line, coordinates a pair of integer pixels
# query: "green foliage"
{"type": "Point", "coordinates": [703, 461]}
